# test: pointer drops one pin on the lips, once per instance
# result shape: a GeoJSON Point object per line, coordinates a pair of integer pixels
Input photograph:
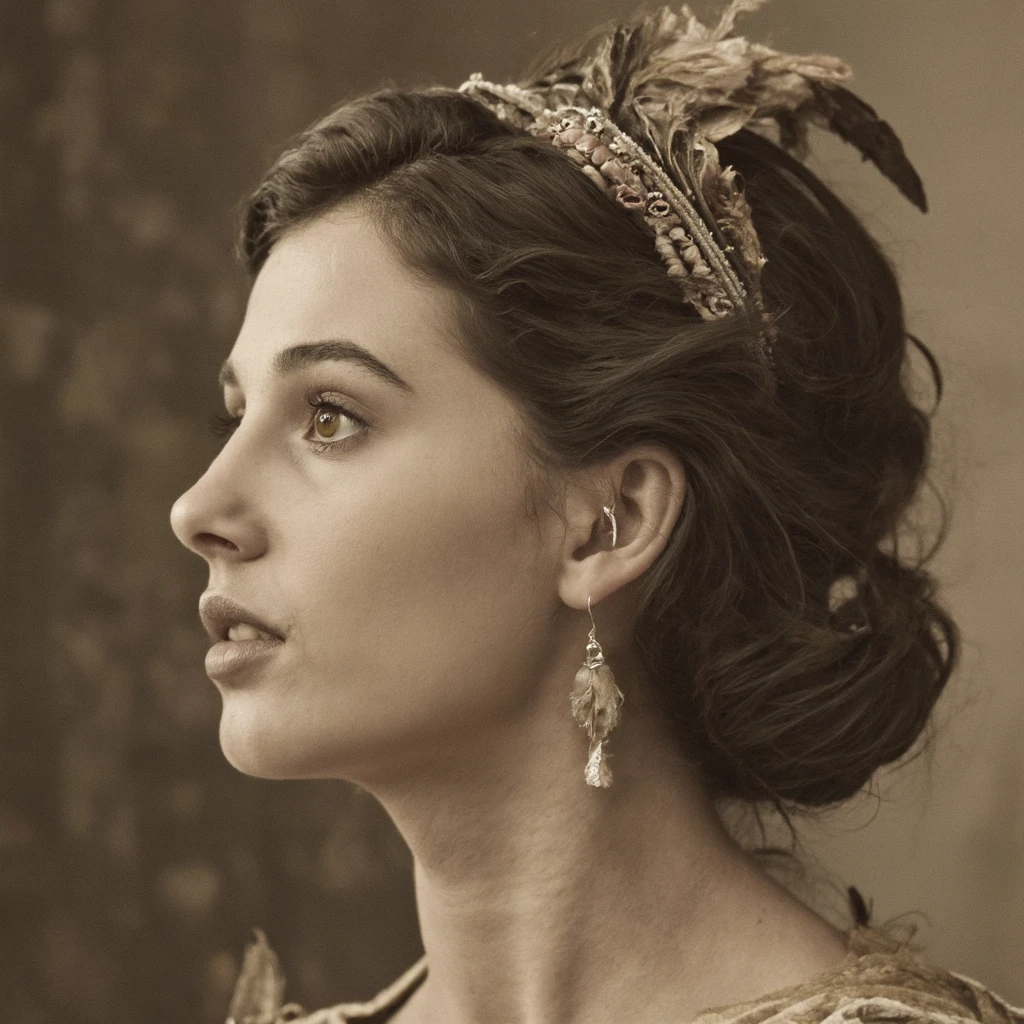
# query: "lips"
{"type": "Point", "coordinates": [232, 661]}
{"type": "Point", "coordinates": [219, 613]}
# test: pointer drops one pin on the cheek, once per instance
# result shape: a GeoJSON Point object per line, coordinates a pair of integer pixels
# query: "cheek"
{"type": "Point", "coordinates": [423, 606]}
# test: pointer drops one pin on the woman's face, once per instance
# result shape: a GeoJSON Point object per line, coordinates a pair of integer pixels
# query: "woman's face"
{"type": "Point", "coordinates": [414, 592]}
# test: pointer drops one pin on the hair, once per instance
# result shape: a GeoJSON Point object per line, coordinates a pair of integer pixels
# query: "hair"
{"type": "Point", "coordinates": [777, 687]}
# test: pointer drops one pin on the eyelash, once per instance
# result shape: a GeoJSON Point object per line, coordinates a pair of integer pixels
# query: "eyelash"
{"type": "Point", "coordinates": [222, 425]}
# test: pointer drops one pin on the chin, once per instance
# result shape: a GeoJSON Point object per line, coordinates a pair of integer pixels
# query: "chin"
{"type": "Point", "coordinates": [267, 744]}
{"type": "Point", "coordinates": [256, 745]}
{"type": "Point", "coordinates": [269, 737]}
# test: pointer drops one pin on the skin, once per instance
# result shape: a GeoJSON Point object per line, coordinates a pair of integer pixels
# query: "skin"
{"type": "Point", "coordinates": [436, 614]}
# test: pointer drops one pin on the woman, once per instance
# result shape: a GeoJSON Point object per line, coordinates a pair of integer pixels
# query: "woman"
{"type": "Point", "coordinates": [563, 513]}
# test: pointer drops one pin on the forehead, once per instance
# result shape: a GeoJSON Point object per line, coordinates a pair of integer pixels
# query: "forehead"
{"type": "Point", "coordinates": [336, 276]}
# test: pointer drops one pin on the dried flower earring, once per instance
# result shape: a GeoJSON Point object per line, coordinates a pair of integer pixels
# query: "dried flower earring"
{"type": "Point", "coordinates": [596, 698]}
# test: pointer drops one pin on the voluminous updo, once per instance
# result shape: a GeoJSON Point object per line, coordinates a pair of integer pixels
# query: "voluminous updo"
{"type": "Point", "coordinates": [793, 647]}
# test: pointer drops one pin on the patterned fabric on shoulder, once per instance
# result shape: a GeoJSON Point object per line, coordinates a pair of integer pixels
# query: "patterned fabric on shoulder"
{"type": "Point", "coordinates": [882, 980]}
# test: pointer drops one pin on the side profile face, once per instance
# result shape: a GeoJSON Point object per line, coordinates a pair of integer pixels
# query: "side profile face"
{"type": "Point", "coordinates": [414, 591]}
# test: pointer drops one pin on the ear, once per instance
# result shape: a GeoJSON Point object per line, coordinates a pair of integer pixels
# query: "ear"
{"type": "Point", "coordinates": [648, 485]}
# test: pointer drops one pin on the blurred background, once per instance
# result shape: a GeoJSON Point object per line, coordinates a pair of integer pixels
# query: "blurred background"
{"type": "Point", "coordinates": [134, 860]}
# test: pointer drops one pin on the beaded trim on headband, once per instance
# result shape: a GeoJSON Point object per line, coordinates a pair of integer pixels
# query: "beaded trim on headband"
{"type": "Point", "coordinates": [620, 166]}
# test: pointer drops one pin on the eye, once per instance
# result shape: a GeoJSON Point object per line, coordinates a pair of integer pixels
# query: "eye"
{"type": "Point", "coordinates": [325, 419]}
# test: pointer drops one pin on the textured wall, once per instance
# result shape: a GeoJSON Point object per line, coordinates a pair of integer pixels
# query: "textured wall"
{"type": "Point", "coordinates": [133, 859]}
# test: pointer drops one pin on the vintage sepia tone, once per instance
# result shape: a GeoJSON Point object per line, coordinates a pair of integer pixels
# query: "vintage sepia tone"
{"type": "Point", "coordinates": [134, 861]}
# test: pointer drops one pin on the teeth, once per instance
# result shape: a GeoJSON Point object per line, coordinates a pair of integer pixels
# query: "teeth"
{"type": "Point", "coordinates": [243, 631]}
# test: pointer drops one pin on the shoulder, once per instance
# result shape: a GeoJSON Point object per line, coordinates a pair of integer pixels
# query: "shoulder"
{"type": "Point", "coordinates": [882, 980]}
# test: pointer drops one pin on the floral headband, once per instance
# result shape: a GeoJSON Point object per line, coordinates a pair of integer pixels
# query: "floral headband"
{"type": "Point", "coordinates": [641, 118]}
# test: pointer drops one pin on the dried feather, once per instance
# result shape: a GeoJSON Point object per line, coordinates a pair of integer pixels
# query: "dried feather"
{"type": "Point", "coordinates": [672, 84]}
{"type": "Point", "coordinates": [607, 701]}
{"type": "Point", "coordinates": [259, 990]}
{"type": "Point", "coordinates": [624, 59]}
{"type": "Point", "coordinates": [595, 700]}
{"type": "Point", "coordinates": [857, 123]}
{"type": "Point", "coordinates": [597, 772]}
{"type": "Point", "coordinates": [581, 699]}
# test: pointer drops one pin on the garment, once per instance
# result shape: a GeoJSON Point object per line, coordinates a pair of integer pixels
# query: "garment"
{"type": "Point", "coordinates": [880, 980]}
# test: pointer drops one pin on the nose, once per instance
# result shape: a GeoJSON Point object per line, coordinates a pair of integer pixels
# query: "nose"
{"type": "Point", "coordinates": [215, 520]}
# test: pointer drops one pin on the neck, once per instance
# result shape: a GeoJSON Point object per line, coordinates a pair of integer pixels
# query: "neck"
{"type": "Point", "coordinates": [541, 899]}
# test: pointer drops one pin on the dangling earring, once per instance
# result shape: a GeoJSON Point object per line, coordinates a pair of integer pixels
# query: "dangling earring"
{"type": "Point", "coordinates": [596, 698]}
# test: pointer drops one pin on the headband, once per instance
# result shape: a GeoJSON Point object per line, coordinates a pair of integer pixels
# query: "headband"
{"type": "Point", "coordinates": [641, 118]}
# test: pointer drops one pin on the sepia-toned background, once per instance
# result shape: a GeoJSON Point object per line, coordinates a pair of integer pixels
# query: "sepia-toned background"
{"type": "Point", "coordinates": [133, 860]}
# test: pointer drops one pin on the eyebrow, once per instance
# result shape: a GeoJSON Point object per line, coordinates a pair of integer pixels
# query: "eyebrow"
{"type": "Point", "coordinates": [289, 360]}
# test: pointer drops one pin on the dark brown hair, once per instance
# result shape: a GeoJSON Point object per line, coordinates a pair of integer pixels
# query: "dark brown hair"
{"type": "Point", "coordinates": [564, 301]}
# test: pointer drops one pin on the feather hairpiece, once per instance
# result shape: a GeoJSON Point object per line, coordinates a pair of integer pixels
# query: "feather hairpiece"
{"type": "Point", "coordinates": [641, 117]}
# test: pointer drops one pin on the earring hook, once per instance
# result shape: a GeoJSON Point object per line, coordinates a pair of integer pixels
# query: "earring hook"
{"type": "Point", "coordinates": [595, 656]}
{"type": "Point", "coordinates": [610, 512]}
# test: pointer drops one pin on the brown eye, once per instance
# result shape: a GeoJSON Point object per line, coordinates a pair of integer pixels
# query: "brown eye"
{"type": "Point", "coordinates": [327, 415]}
{"type": "Point", "coordinates": [327, 422]}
